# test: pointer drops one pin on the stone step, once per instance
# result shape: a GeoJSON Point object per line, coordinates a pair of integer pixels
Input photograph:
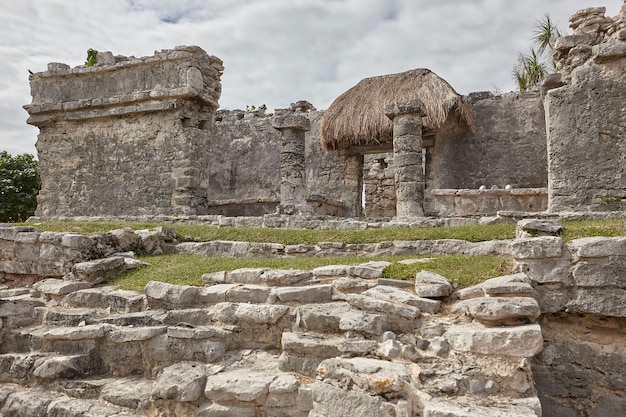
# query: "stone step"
{"type": "Point", "coordinates": [108, 298]}
{"type": "Point", "coordinates": [499, 311]}
{"type": "Point", "coordinates": [56, 289]}
{"type": "Point", "coordinates": [23, 368]}
{"type": "Point", "coordinates": [494, 407]}
{"type": "Point", "coordinates": [19, 402]}
{"type": "Point", "coordinates": [64, 316]}
{"type": "Point", "coordinates": [519, 341]}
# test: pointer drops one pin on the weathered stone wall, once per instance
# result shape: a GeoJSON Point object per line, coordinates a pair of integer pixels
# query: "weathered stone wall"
{"type": "Point", "coordinates": [585, 117]}
{"type": "Point", "coordinates": [509, 146]}
{"type": "Point", "coordinates": [249, 176]}
{"type": "Point", "coordinates": [463, 202]}
{"type": "Point", "coordinates": [379, 185]}
{"type": "Point", "coordinates": [126, 136]}
{"type": "Point", "coordinates": [581, 288]}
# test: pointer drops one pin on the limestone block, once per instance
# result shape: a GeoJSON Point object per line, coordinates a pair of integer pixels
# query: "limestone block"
{"type": "Point", "coordinates": [182, 295]}
{"type": "Point", "coordinates": [357, 347]}
{"type": "Point", "coordinates": [352, 285]}
{"type": "Point", "coordinates": [308, 295]}
{"type": "Point", "coordinates": [184, 381]}
{"type": "Point", "coordinates": [397, 295]}
{"type": "Point", "coordinates": [130, 393]}
{"type": "Point", "coordinates": [133, 334]}
{"type": "Point", "coordinates": [64, 367]}
{"type": "Point", "coordinates": [534, 227]}
{"type": "Point", "coordinates": [508, 285]}
{"type": "Point", "coordinates": [331, 271]}
{"type": "Point", "coordinates": [285, 276]}
{"type": "Point", "coordinates": [537, 248]}
{"type": "Point", "coordinates": [330, 401]}
{"type": "Point", "coordinates": [388, 308]}
{"type": "Point", "coordinates": [90, 331]}
{"type": "Point", "coordinates": [604, 272]}
{"type": "Point", "coordinates": [321, 317]}
{"type": "Point", "coordinates": [53, 286]}
{"type": "Point", "coordinates": [447, 408]}
{"type": "Point", "coordinates": [238, 385]}
{"type": "Point", "coordinates": [607, 301]}
{"type": "Point", "coordinates": [221, 277]}
{"type": "Point", "coordinates": [499, 310]}
{"type": "Point", "coordinates": [284, 384]}
{"type": "Point", "coordinates": [546, 271]}
{"type": "Point", "coordinates": [389, 349]}
{"type": "Point", "coordinates": [552, 297]}
{"type": "Point", "coordinates": [374, 376]}
{"type": "Point", "coordinates": [197, 333]}
{"type": "Point", "coordinates": [598, 247]}
{"type": "Point", "coordinates": [431, 285]}
{"type": "Point", "coordinates": [98, 271]}
{"type": "Point", "coordinates": [247, 275]}
{"type": "Point", "coordinates": [28, 403]}
{"type": "Point", "coordinates": [362, 322]}
{"type": "Point", "coordinates": [366, 272]}
{"type": "Point", "coordinates": [225, 410]}
{"type": "Point", "coordinates": [520, 341]}
{"type": "Point", "coordinates": [126, 238]}
{"type": "Point", "coordinates": [76, 241]}
{"type": "Point", "coordinates": [214, 294]}
{"type": "Point", "coordinates": [19, 305]}
{"type": "Point", "coordinates": [311, 344]}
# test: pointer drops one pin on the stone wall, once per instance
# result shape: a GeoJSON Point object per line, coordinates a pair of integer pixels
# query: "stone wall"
{"type": "Point", "coordinates": [508, 148]}
{"type": "Point", "coordinates": [466, 202]}
{"type": "Point", "coordinates": [585, 117]}
{"type": "Point", "coordinates": [126, 136]}
{"type": "Point", "coordinates": [581, 288]}
{"type": "Point", "coordinates": [247, 182]}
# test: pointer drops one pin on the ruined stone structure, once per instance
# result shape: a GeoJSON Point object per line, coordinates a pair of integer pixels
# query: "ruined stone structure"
{"type": "Point", "coordinates": [334, 341]}
{"type": "Point", "coordinates": [585, 117]}
{"type": "Point", "coordinates": [126, 136]}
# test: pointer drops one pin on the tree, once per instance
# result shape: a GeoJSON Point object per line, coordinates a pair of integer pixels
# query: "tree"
{"type": "Point", "coordinates": [532, 68]}
{"type": "Point", "coordinates": [19, 185]}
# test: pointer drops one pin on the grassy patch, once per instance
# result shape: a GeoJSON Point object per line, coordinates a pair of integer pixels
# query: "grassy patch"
{"type": "Point", "coordinates": [188, 269]}
{"type": "Point", "coordinates": [588, 228]}
{"type": "Point", "coordinates": [472, 233]}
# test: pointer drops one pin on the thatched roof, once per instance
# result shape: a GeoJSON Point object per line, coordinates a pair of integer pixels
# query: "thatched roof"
{"type": "Point", "coordinates": [357, 116]}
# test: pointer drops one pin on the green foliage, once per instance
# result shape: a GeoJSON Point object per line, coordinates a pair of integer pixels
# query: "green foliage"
{"type": "Point", "coordinates": [19, 185]}
{"type": "Point", "coordinates": [532, 68]}
{"type": "Point", "coordinates": [92, 55]}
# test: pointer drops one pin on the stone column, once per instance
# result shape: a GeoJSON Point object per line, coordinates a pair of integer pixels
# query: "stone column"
{"type": "Point", "coordinates": [292, 173]}
{"type": "Point", "coordinates": [407, 157]}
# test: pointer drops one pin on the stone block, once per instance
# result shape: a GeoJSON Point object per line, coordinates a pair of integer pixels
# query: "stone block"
{"type": "Point", "coordinates": [387, 293]}
{"type": "Point", "coordinates": [602, 272]}
{"type": "Point", "coordinates": [330, 401]}
{"type": "Point", "coordinates": [521, 341]}
{"type": "Point", "coordinates": [158, 293]}
{"type": "Point", "coordinates": [537, 248]}
{"type": "Point", "coordinates": [182, 382]}
{"type": "Point", "coordinates": [362, 322]}
{"type": "Point", "coordinates": [331, 271]}
{"type": "Point", "coordinates": [60, 287]}
{"type": "Point", "coordinates": [247, 275]}
{"type": "Point", "coordinates": [598, 247]}
{"type": "Point", "coordinates": [98, 271]}
{"type": "Point", "coordinates": [431, 285]}
{"type": "Point", "coordinates": [306, 295]}
{"type": "Point", "coordinates": [285, 277]}
{"type": "Point", "coordinates": [321, 317]}
{"type": "Point", "coordinates": [499, 310]}
{"type": "Point", "coordinates": [238, 385]}
{"type": "Point", "coordinates": [607, 301]}
{"type": "Point", "coordinates": [19, 306]}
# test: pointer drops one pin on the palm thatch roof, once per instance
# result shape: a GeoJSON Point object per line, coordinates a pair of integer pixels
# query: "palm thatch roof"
{"type": "Point", "coordinates": [357, 116]}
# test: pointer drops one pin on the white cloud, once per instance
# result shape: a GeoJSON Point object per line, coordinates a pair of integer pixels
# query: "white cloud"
{"type": "Point", "coordinates": [275, 51]}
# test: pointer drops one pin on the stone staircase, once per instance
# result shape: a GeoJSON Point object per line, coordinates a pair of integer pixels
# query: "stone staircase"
{"type": "Point", "coordinates": [335, 341]}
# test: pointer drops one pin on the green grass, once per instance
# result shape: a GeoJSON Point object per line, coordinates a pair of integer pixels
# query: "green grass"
{"type": "Point", "coordinates": [472, 233]}
{"type": "Point", "coordinates": [463, 270]}
{"type": "Point", "coordinates": [188, 269]}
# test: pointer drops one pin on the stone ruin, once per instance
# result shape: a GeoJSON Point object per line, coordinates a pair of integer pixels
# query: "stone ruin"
{"type": "Point", "coordinates": [132, 137]}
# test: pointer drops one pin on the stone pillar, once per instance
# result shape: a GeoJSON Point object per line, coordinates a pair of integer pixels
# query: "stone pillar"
{"type": "Point", "coordinates": [407, 157]}
{"type": "Point", "coordinates": [292, 169]}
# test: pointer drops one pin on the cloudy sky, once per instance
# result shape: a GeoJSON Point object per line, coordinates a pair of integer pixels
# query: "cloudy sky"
{"type": "Point", "coordinates": [275, 52]}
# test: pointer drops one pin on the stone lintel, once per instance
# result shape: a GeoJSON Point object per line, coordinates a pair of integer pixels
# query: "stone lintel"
{"type": "Point", "coordinates": [291, 121]}
{"type": "Point", "coordinates": [396, 109]}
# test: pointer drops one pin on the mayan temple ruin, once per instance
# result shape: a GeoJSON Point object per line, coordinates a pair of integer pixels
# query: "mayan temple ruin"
{"type": "Point", "coordinates": [143, 139]}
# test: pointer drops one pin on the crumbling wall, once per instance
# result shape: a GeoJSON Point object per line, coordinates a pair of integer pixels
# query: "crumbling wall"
{"type": "Point", "coordinates": [585, 115]}
{"type": "Point", "coordinates": [509, 146]}
{"type": "Point", "coordinates": [126, 136]}
{"type": "Point", "coordinates": [581, 288]}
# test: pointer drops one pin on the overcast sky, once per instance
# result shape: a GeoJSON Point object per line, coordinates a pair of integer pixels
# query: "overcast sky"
{"type": "Point", "coordinates": [275, 52]}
